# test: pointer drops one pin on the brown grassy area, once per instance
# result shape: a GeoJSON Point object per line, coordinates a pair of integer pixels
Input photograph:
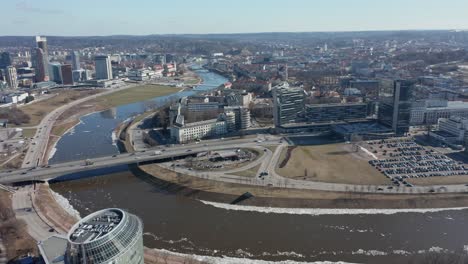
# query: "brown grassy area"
{"type": "Point", "coordinates": [13, 231]}
{"type": "Point", "coordinates": [461, 179]}
{"type": "Point", "coordinates": [15, 163]}
{"type": "Point", "coordinates": [60, 129]}
{"type": "Point", "coordinates": [46, 204]}
{"type": "Point", "coordinates": [280, 197]}
{"type": "Point", "coordinates": [29, 133]}
{"type": "Point", "coordinates": [132, 95]}
{"type": "Point", "coordinates": [252, 172]}
{"type": "Point", "coordinates": [330, 163]}
{"type": "Point", "coordinates": [37, 111]}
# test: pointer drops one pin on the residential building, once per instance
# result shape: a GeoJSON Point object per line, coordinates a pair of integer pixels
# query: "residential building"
{"type": "Point", "coordinates": [395, 105]}
{"type": "Point", "coordinates": [288, 104]}
{"type": "Point", "coordinates": [103, 67]}
{"type": "Point", "coordinates": [335, 112]}
{"type": "Point", "coordinates": [11, 77]}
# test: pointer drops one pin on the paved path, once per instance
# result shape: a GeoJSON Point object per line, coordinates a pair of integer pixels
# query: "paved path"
{"type": "Point", "coordinates": [22, 205]}
{"type": "Point", "coordinates": [36, 153]}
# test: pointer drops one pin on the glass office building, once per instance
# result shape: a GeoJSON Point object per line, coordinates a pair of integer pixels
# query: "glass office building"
{"type": "Point", "coordinates": [107, 236]}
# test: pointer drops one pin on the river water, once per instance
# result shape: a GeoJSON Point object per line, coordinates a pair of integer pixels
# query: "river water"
{"type": "Point", "coordinates": [181, 224]}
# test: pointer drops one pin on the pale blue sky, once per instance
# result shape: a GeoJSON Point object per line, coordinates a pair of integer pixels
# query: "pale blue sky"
{"type": "Point", "coordinates": [141, 17]}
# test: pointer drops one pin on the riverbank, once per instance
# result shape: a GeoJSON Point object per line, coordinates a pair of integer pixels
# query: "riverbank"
{"type": "Point", "coordinates": [48, 206]}
{"type": "Point", "coordinates": [71, 117]}
{"type": "Point", "coordinates": [223, 192]}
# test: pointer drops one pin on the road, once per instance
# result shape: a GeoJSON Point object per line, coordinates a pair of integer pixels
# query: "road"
{"type": "Point", "coordinates": [35, 155]}
{"type": "Point", "coordinates": [49, 172]}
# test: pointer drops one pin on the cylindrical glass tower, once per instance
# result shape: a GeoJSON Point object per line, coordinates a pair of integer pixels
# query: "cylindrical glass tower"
{"type": "Point", "coordinates": [107, 236]}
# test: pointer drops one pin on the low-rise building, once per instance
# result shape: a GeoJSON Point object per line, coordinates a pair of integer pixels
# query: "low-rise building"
{"type": "Point", "coordinates": [428, 112]}
{"type": "Point", "coordinates": [335, 112]}
{"type": "Point", "coordinates": [186, 132]}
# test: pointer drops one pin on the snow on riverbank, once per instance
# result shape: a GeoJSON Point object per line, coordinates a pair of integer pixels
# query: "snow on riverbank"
{"type": "Point", "coordinates": [65, 204]}
{"type": "Point", "coordinates": [319, 211]}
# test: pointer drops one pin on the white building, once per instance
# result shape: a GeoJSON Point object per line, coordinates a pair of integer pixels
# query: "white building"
{"type": "Point", "coordinates": [103, 67]}
{"type": "Point", "coordinates": [198, 130]}
{"type": "Point", "coordinates": [11, 77]}
{"type": "Point", "coordinates": [456, 126]}
{"type": "Point", "coordinates": [428, 112]}
{"type": "Point", "coordinates": [14, 98]}
{"type": "Point", "coordinates": [141, 74]}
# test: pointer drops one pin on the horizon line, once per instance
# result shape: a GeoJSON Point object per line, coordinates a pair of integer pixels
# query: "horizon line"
{"type": "Point", "coordinates": [245, 33]}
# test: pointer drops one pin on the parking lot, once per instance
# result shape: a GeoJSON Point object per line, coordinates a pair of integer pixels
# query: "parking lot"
{"type": "Point", "coordinates": [400, 159]}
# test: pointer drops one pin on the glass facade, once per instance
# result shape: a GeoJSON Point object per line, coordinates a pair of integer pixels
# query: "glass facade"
{"type": "Point", "coordinates": [124, 244]}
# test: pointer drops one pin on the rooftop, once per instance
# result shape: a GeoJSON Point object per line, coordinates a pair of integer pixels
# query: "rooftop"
{"type": "Point", "coordinates": [53, 249]}
{"type": "Point", "coordinates": [96, 226]}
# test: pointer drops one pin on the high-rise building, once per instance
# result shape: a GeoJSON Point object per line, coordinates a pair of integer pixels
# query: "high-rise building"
{"type": "Point", "coordinates": [5, 60]}
{"type": "Point", "coordinates": [75, 57]}
{"type": "Point", "coordinates": [40, 64]}
{"type": "Point", "coordinates": [395, 105]}
{"type": "Point", "coordinates": [107, 236]}
{"type": "Point", "coordinates": [11, 77]}
{"type": "Point", "coordinates": [42, 43]}
{"type": "Point", "coordinates": [55, 72]}
{"type": "Point", "coordinates": [67, 74]}
{"type": "Point", "coordinates": [103, 67]}
{"type": "Point", "coordinates": [288, 104]}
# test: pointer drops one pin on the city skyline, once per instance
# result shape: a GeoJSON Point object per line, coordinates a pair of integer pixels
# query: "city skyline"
{"type": "Point", "coordinates": [211, 17]}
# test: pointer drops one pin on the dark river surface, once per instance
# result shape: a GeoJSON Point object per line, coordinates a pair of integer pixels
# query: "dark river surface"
{"type": "Point", "coordinates": [185, 225]}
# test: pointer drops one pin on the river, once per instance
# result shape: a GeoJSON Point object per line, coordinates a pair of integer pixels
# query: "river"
{"type": "Point", "coordinates": [181, 224]}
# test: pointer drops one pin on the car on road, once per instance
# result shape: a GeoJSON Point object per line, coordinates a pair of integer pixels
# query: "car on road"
{"type": "Point", "coordinates": [379, 189]}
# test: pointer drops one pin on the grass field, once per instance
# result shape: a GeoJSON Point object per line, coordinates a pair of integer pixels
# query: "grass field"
{"type": "Point", "coordinates": [37, 111]}
{"type": "Point", "coordinates": [132, 95]}
{"type": "Point", "coordinates": [329, 163]}
{"type": "Point", "coordinates": [29, 132]}
{"type": "Point", "coordinates": [252, 172]}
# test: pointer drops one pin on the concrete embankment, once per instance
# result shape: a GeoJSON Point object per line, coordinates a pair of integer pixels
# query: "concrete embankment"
{"type": "Point", "coordinates": [222, 192]}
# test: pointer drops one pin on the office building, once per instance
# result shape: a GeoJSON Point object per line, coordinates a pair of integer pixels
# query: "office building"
{"type": "Point", "coordinates": [241, 116]}
{"type": "Point", "coordinates": [335, 112]}
{"type": "Point", "coordinates": [395, 105]}
{"type": "Point", "coordinates": [11, 77]}
{"type": "Point", "coordinates": [42, 44]}
{"type": "Point", "coordinates": [75, 58]}
{"type": "Point", "coordinates": [40, 64]}
{"type": "Point", "coordinates": [66, 74]}
{"type": "Point", "coordinates": [107, 236]}
{"type": "Point", "coordinates": [288, 104]}
{"type": "Point", "coordinates": [185, 132]}
{"type": "Point", "coordinates": [103, 67]}
{"type": "Point", "coordinates": [5, 60]}
{"type": "Point", "coordinates": [428, 112]}
{"type": "Point", "coordinates": [55, 72]}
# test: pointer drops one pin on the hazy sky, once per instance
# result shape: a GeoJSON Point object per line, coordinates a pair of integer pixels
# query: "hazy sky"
{"type": "Point", "coordinates": [141, 17]}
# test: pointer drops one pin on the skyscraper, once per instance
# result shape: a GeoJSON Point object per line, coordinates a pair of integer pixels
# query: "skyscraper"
{"type": "Point", "coordinates": [41, 65]}
{"type": "Point", "coordinates": [66, 73]}
{"type": "Point", "coordinates": [42, 43]}
{"type": "Point", "coordinates": [11, 77]}
{"type": "Point", "coordinates": [395, 105]}
{"type": "Point", "coordinates": [75, 56]}
{"type": "Point", "coordinates": [103, 67]}
{"type": "Point", "coordinates": [5, 60]}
